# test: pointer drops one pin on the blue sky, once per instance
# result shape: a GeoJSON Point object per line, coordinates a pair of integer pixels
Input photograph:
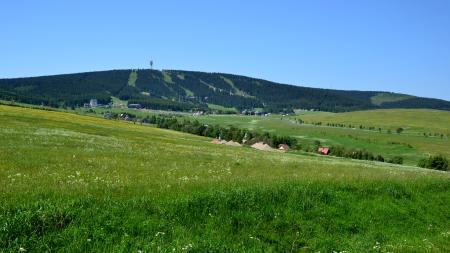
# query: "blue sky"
{"type": "Point", "coordinates": [400, 46]}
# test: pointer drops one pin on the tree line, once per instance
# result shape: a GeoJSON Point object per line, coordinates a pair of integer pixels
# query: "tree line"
{"type": "Point", "coordinates": [341, 151]}
{"type": "Point", "coordinates": [230, 133]}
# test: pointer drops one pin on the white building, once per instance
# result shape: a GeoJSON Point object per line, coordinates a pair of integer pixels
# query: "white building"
{"type": "Point", "coordinates": [93, 102]}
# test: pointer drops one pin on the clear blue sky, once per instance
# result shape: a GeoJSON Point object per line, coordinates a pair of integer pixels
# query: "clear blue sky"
{"type": "Point", "coordinates": [391, 45]}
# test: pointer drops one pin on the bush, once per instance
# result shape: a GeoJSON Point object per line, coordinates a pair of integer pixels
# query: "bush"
{"type": "Point", "coordinates": [396, 160]}
{"type": "Point", "coordinates": [317, 143]}
{"type": "Point", "coordinates": [379, 158]}
{"type": "Point", "coordinates": [438, 162]}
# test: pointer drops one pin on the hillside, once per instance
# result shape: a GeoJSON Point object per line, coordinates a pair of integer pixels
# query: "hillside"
{"type": "Point", "coordinates": [187, 90]}
{"type": "Point", "coordinates": [89, 184]}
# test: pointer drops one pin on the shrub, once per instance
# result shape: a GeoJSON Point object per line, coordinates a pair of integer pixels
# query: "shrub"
{"type": "Point", "coordinates": [438, 162]}
{"type": "Point", "coordinates": [379, 158]}
{"type": "Point", "coordinates": [396, 160]}
{"type": "Point", "coordinates": [423, 163]}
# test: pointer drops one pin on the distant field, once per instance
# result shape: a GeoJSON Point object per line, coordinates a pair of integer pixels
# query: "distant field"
{"type": "Point", "coordinates": [222, 108]}
{"type": "Point", "coordinates": [412, 120]}
{"type": "Point", "coordinates": [410, 144]}
{"type": "Point", "coordinates": [79, 183]}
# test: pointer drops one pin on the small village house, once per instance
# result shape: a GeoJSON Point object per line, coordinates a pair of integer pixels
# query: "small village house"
{"type": "Point", "coordinates": [283, 147]}
{"type": "Point", "coordinates": [324, 150]}
{"type": "Point", "coordinates": [135, 106]}
{"type": "Point", "coordinates": [93, 102]}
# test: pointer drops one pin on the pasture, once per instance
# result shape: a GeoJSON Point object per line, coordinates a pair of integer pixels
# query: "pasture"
{"type": "Point", "coordinates": [81, 183]}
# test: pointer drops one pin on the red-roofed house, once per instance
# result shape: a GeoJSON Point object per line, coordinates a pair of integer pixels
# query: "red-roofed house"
{"type": "Point", "coordinates": [324, 150]}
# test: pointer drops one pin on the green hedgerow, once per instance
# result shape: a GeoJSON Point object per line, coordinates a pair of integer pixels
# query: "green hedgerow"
{"type": "Point", "coordinates": [438, 162]}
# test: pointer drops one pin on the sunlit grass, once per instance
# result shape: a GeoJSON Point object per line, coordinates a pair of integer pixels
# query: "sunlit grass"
{"type": "Point", "coordinates": [411, 145]}
{"type": "Point", "coordinates": [78, 183]}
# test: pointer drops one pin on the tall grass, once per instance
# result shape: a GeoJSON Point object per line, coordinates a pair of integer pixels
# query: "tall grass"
{"type": "Point", "coordinates": [76, 183]}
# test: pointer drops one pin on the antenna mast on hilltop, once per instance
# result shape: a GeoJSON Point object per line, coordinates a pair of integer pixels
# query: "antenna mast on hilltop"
{"type": "Point", "coordinates": [151, 64]}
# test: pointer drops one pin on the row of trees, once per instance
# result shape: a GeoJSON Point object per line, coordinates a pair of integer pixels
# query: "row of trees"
{"type": "Point", "coordinates": [240, 135]}
{"type": "Point", "coordinates": [441, 135]}
{"type": "Point", "coordinates": [341, 151]}
{"type": "Point", "coordinates": [341, 125]}
{"type": "Point", "coordinates": [398, 130]}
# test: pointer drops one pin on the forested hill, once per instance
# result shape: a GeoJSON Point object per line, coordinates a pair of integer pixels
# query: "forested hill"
{"type": "Point", "coordinates": [187, 90]}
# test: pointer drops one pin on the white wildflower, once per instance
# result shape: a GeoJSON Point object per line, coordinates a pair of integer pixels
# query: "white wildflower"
{"type": "Point", "coordinates": [187, 247]}
{"type": "Point", "coordinates": [159, 233]}
{"type": "Point", "coordinates": [254, 238]}
{"type": "Point", "coordinates": [377, 246]}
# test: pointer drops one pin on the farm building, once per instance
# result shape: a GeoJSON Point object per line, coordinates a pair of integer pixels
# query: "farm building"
{"type": "Point", "coordinates": [262, 146]}
{"type": "Point", "coordinates": [324, 150]}
{"type": "Point", "coordinates": [93, 102]}
{"type": "Point", "coordinates": [283, 147]}
{"type": "Point", "coordinates": [135, 106]}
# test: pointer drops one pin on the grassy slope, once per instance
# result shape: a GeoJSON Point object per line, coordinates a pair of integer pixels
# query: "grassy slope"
{"type": "Point", "coordinates": [411, 144]}
{"type": "Point", "coordinates": [132, 79]}
{"type": "Point", "coordinates": [116, 102]}
{"type": "Point", "coordinates": [381, 98]}
{"type": "Point", "coordinates": [222, 108]}
{"type": "Point", "coordinates": [82, 183]}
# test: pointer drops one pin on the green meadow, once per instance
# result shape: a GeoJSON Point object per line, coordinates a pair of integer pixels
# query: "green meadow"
{"type": "Point", "coordinates": [77, 183]}
{"type": "Point", "coordinates": [414, 121]}
{"type": "Point", "coordinates": [411, 144]}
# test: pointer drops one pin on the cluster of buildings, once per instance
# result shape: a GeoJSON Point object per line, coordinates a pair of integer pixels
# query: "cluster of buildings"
{"type": "Point", "coordinates": [93, 103]}
{"type": "Point", "coordinates": [256, 113]}
{"type": "Point", "coordinates": [199, 113]}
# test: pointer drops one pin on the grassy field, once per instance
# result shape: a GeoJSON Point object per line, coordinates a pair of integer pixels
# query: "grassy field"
{"type": "Point", "coordinates": [414, 121]}
{"type": "Point", "coordinates": [78, 183]}
{"type": "Point", "coordinates": [222, 108]}
{"type": "Point", "coordinates": [411, 144]}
